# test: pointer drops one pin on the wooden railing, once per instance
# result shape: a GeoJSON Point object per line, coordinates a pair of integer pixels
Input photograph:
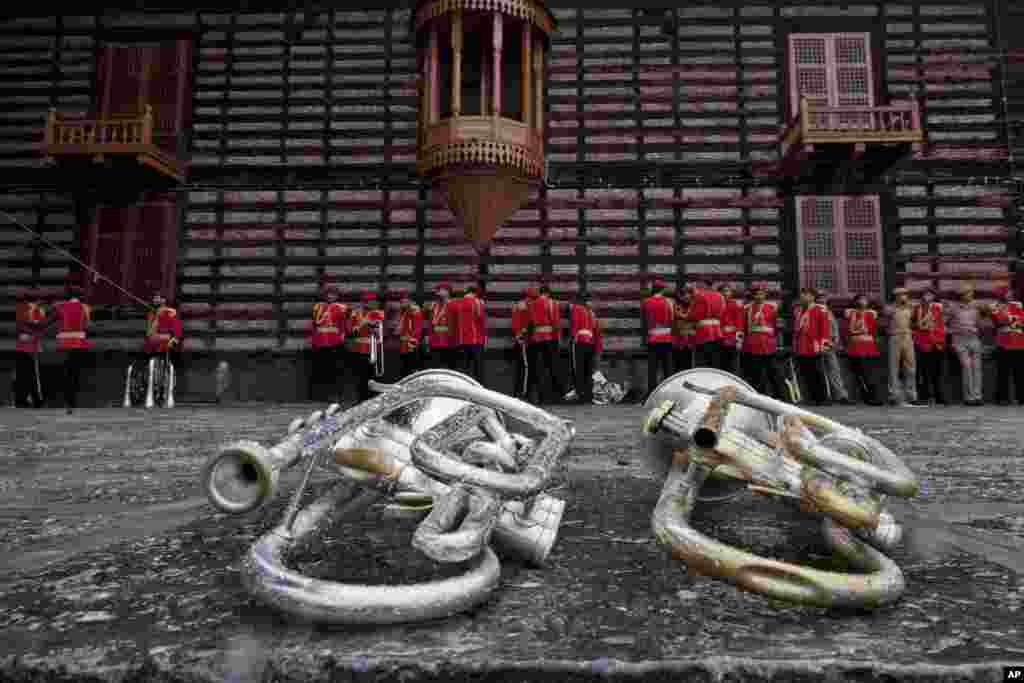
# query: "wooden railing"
{"type": "Point", "coordinates": [97, 135]}
{"type": "Point", "coordinates": [898, 122]}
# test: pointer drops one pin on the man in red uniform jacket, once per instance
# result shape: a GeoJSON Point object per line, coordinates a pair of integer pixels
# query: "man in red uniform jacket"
{"type": "Point", "coordinates": [1008, 317]}
{"type": "Point", "coordinates": [862, 347]}
{"type": "Point", "coordinates": [163, 333]}
{"type": "Point", "coordinates": [440, 321]}
{"type": "Point", "coordinates": [471, 333]}
{"type": "Point", "coordinates": [682, 331]}
{"type": "Point", "coordinates": [410, 331]}
{"type": "Point", "coordinates": [363, 323]}
{"type": "Point", "coordinates": [73, 318]}
{"type": "Point", "coordinates": [760, 343]}
{"type": "Point", "coordinates": [811, 334]}
{"type": "Point", "coordinates": [732, 329]}
{"type": "Point", "coordinates": [30, 323]}
{"type": "Point", "coordinates": [543, 345]}
{"type": "Point", "coordinates": [706, 311]}
{"type": "Point", "coordinates": [657, 316]}
{"type": "Point", "coordinates": [587, 344]}
{"type": "Point", "coordinates": [929, 334]}
{"type": "Point", "coordinates": [329, 331]}
{"type": "Point", "coordinates": [520, 319]}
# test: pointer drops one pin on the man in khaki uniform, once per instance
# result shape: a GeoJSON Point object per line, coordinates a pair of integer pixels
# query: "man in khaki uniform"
{"type": "Point", "coordinates": [901, 350]}
{"type": "Point", "coordinates": [962, 326]}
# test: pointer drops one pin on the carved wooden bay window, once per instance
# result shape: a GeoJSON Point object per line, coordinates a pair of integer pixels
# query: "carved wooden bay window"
{"type": "Point", "coordinates": [832, 102]}
{"type": "Point", "coordinates": [839, 242]}
{"type": "Point", "coordinates": [142, 105]}
{"type": "Point", "coordinates": [481, 122]}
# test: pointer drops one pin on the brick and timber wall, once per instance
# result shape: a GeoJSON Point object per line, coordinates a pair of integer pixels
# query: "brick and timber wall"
{"type": "Point", "coordinates": [662, 130]}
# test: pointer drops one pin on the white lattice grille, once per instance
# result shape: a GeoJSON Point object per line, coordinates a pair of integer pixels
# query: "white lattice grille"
{"type": "Point", "coordinates": [832, 70]}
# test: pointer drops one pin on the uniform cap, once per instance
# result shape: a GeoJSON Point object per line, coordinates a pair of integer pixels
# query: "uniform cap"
{"type": "Point", "coordinates": [402, 294]}
{"type": "Point", "coordinates": [1001, 291]}
{"type": "Point", "coordinates": [369, 296]}
{"type": "Point", "coordinates": [758, 287]}
{"type": "Point", "coordinates": [532, 292]}
{"type": "Point", "coordinates": [442, 285]}
{"type": "Point", "coordinates": [658, 284]}
{"type": "Point", "coordinates": [966, 288]}
{"type": "Point", "coordinates": [900, 290]}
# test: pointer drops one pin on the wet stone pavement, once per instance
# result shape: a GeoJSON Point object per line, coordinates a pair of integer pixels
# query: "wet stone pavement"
{"type": "Point", "coordinates": [115, 568]}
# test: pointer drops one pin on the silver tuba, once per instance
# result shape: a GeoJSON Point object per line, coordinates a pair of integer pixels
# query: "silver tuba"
{"type": "Point", "coordinates": [150, 384]}
{"type": "Point", "coordinates": [709, 422]}
{"type": "Point", "coordinates": [403, 452]}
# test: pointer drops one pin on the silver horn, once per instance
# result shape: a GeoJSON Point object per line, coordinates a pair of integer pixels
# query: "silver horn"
{"type": "Point", "coordinates": [435, 446]}
{"type": "Point", "coordinates": [709, 421]}
{"type": "Point", "coordinates": [150, 400]}
{"type": "Point", "coordinates": [128, 386]}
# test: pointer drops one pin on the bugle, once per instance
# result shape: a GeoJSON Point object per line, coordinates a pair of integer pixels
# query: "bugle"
{"type": "Point", "coordinates": [832, 470]}
{"type": "Point", "coordinates": [402, 451]}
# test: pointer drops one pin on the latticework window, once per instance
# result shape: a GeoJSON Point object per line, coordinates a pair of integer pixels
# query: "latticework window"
{"type": "Point", "coordinates": [832, 70]}
{"type": "Point", "coordinates": [840, 240]}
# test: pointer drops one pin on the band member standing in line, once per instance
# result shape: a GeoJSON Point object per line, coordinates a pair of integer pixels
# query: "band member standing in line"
{"type": "Point", "coordinates": [163, 331]}
{"type": "Point", "coordinates": [1009, 319]}
{"type": "Point", "coordinates": [329, 331]}
{"type": "Point", "coordinates": [587, 344]}
{"type": "Point", "coordinates": [962, 325]}
{"type": "Point", "coordinates": [732, 329]}
{"type": "Point", "coordinates": [73, 317]}
{"type": "Point", "coordinates": [657, 313]}
{"type": "Point", "coordinates": [833, 368]}
{"type": "Point", "coordinates": [363, 322]}
{"type": "Point", "coordinates": [760, 343]}
{"type": "Point", "coordinates": [811, 332]}
{"type": "Point", "coordinates": [30, 324]}
{"type": "Point", "coordinates": [901, 350]}
{"type": "Point", "coordinates": [862, 347]}
{"type": "Point", "coordinates": [706, 309]}
{"type": "Point", "coordinates": [410, 330]}
{"type": "Point", "coordinates": [543, 343]}
{"type": "Point", "coordinates": [930, 348]}
{"type": "Point", "coordinates": [471, 333]}
{"type": "Point", "coordinates": [559, 378]}
{"type": "Point", "coordinates": [682, 332]}
{"type": "Point", "coordinates": [520, 319]}
{"type": "Point", "coordinates": [441, 323]}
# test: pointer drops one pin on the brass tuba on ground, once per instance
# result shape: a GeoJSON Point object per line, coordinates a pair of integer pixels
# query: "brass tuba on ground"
{"type": "Point", "coordinates": [706, 422]}
{"type": "Point", "coordinates": [399, 449]}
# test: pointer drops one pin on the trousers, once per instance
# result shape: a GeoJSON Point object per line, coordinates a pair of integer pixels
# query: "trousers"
{"type": "Point", "coordinates": [327, 381]}
{"type": "Point", "coordinates": [863, 369]}
{"type": "Point", "coordinates": [931, 375]}
{"type": "Point", "coordinates": [812, 372]}
{"type": "Point", "coordinates": [708, 355]}
{"type": "Point", "coordinates": [1010, 365]}
{"type": "Point", "coordinates": [74, 361]}
{"type": "Point", "coordinates": [28, 382]}
{"type": "Point", "coordinates": [901, 356]}
{"type": "Point", "coordinates": [763, 374]}
{"type": "Point", "coordinates": [834, 376]}
{"type": "Point", "coordinates": [583, 370]}
{"type": "Point", "coordinates": [968, 352]}
{"type": "Point", "coordinates": [472, 361]}
{"type": "Point", "coordinates": [659, 364]}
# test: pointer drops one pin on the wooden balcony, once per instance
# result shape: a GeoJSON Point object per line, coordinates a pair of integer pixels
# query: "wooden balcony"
{"type": "Point", "coordinates": [75, 139]}
{"type": "Point", "coordinates": [874, 138]}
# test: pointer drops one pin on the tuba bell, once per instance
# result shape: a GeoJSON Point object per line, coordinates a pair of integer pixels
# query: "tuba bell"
{"type": "Point", "coordinates": [402, 453]}
{"type": "Point", "coordinates": [713, 423]}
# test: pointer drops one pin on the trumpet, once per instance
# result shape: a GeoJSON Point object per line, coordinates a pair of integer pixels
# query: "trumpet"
{"type": "Point", "coordinates": [400, 452]}
{"type": "Point", "coordinates": [710, 422]}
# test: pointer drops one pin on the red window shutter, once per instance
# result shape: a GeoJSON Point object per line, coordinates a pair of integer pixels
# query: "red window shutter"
{"type": "Point", "coordinates": [834, 70]}
{"type": "Point", "coordinates": [166, 90]}
{"type": "Point", "coordinates": [155, 254]}
{"type": "Point", "coordinates": [819, 261]}
{"type": "Point", "coordinates": [808, 69]}
{"type": "Point", "coordinates": [862, 242]}
{"type": "Point", "coordinates": [109, 250]}
{"type": "Point", "coordinates": [124, 68]}
{"type": "Point", "coordinates": [852, 68]}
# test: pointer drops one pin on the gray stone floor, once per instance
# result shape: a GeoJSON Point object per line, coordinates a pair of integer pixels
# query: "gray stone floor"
{"type": "Point", "coordinates": [114, 566]}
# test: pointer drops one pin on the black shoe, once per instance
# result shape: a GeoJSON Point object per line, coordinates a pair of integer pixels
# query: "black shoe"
{"type": "Point", "coordinates": [848, 402]}
{"type": "Point", "coordinates": [919, 404]}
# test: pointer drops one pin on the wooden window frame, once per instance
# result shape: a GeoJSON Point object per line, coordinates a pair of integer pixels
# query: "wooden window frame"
{"type": "Point", "coordinates": [841, 260]}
